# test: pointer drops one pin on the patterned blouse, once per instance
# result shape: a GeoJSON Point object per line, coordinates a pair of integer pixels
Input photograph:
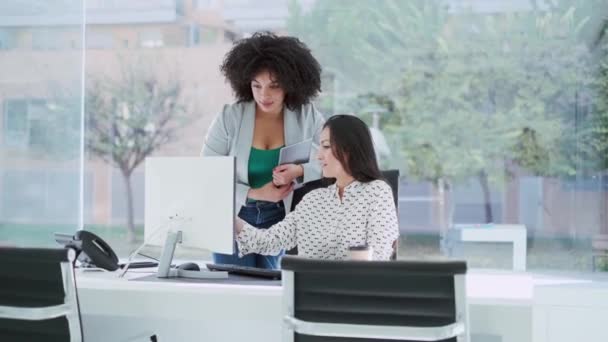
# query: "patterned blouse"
{"type": "Point", "coordinates": [324, 227]}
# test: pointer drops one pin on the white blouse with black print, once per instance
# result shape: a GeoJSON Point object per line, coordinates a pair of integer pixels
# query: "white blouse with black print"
{"type": "Point", "coordinates": [323, 227]}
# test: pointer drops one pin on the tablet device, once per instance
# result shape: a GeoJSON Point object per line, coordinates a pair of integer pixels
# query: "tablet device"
{"type": "Point", "coordinates": [298, 153]}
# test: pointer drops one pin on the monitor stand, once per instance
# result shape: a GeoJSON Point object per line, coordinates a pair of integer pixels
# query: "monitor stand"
{"type": "Point", "coordinates": [164, 266]}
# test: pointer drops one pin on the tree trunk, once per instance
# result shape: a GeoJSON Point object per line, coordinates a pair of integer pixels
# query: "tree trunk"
{"type": "Point", "coordinates": [446, 211]}
{"type": "Point", "coordinates": [485, 187]}
{"type": "Point", "coordinates": [451, 203]}
{"type": "Point", "coordinates": [604, 206]}
{"type": "Point", "coordinates": [130, 220]}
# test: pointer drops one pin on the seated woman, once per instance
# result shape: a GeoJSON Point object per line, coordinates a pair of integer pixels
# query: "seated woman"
{"type": "Point", "coordinates": [357, 209]}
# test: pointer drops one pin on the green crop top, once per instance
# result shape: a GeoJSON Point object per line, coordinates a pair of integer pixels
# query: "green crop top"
{"type": "Point", "coordinates": [261, 163]}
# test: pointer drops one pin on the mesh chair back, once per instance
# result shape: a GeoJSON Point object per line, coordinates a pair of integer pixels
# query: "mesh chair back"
{"type": "Point", "coordinates": [397, 293]}
{"type": "Point", "coordinates": [37, 278]}
{"type": "Point", "coordinates": [390, 176]}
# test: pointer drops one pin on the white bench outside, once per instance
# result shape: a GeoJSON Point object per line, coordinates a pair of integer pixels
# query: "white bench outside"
{"type": "Point", "coordinates": [489, 232]}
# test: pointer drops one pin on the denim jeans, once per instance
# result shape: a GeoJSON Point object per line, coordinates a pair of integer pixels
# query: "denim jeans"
{"type": "Point", "coordinates": [260, 214]}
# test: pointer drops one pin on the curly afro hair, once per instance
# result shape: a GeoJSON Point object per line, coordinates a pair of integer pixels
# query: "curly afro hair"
{"type": "Point", "coordinates": [286, 58]}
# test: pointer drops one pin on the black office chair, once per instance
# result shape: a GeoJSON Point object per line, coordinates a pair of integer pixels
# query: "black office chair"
{"type": "Point", "coordinates": [390, 176]}
{"type": "Point", "coordinates": [373, 301]}
{"type": "Point", "coordinates": [38, 300]}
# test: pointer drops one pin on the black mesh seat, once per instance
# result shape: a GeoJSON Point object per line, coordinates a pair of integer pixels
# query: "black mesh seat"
{"type": "Point", "coordinates": [331, 301]}
{"type": "Point", "coordinates": [38, 300]}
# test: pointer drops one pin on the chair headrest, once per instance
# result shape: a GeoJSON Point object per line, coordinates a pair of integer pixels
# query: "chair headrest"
{"type": "Point", "coordinates": [39, 255]}
{"type": "Point", "coordinates": [301, 264]}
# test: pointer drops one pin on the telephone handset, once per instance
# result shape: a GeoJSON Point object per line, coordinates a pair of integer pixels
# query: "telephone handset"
{"type": "Point", "coordinates": [97, 250]}
{"type": "Point", "coordinates": [92, 250]}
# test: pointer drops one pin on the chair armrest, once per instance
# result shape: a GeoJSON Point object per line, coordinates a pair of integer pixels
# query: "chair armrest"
{"type": "Point", "coordinates": [375, 331]}
{"type": "Point", "coordinates": [395, 249]}
{"type": "Point", "coordinates": [35, 314]}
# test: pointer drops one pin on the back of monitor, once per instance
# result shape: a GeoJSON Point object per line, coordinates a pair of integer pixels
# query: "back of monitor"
{"type": "Point", "coordinates": [194, 195]}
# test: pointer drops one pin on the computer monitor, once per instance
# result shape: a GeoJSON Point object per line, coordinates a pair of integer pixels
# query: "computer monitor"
{"type": "Point", "coordinates": [189, 200]}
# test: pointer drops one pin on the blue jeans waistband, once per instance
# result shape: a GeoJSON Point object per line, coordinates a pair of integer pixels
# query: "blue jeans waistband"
{"type": "Point", "coordinates": [253, 203]}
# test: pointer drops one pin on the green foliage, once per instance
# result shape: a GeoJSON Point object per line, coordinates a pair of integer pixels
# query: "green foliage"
{"type": "Point", "coordinates": [366, 104]}
{"type": "Point", "coordinates": [594, 142]}
{"type": "Point", "coordinates": [602, 264]}
{"type": "Point", "coordinates": [472, 92]}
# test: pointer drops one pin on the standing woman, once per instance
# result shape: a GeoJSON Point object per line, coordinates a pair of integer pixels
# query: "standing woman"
{"type": "Point", "coordinates": [274, 80]}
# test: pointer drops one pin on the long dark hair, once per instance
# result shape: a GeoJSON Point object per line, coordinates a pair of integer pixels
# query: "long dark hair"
{"type": "Point", "coordinates": [351, 143]}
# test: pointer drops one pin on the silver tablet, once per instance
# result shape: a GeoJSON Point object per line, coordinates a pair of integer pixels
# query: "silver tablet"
{"type": "Point", "coordinates": [298, 153]}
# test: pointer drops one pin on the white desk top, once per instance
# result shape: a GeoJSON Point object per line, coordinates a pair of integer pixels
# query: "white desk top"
{"type": "Point", "coordinates": [112, 281]}
{"type": "Point", "coordinates": [483, 287]}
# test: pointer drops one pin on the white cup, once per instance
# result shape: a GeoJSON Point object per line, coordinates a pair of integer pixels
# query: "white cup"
{"type": "Point", "coordinates": [360, 252]}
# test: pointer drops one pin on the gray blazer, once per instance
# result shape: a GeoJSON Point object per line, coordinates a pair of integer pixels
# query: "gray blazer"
{"type": "Point", "coordinates": [231, 134]}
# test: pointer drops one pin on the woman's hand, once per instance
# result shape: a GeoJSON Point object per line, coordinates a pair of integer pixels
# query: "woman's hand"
{"type": "Point", "coordinates": [270, 192]}
{"type": "Point", "coordinates": [285, 174]}
{"type": "Point", "coordinates": [238, 225]}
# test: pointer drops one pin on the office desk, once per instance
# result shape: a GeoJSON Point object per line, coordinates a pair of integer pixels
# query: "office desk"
{"type": "Point", "coordinates": [515, 234]}
{"type": "Point", "coordinates": [571, 311]}
{"type": "Point", "coordinates": [115, 309]}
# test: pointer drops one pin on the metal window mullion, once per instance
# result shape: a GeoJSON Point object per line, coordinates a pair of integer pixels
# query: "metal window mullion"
{"type": "Point", "coordinates": [288, 282]}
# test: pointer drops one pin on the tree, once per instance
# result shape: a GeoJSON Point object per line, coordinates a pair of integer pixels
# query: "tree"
{"type": "Point", "coordinates": [514, 78]}
{"type": "Point", "coordinates": [130, 118]}
{"type": "Point", "coordinates": [474, 92]}
{"type": "Point", "coordinates": [595, 132]}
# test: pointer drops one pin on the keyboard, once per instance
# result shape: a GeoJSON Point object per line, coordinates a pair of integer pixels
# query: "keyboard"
{"type": "Point", "coordinates": [140, 264]}
{"type": "Point", "coordinates": [245, 270]}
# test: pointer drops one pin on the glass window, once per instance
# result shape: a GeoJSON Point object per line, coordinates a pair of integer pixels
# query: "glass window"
{"type": "Point", "coordinates": [99, 40]}
{"type": "Point", "coordinates": [52, 39]}
{"type": "Point", "coordinates": [16, 123]}
{"type": "Point", "coordinates": [8, 39]}
{"type": "Point", "coordinates": [202, 35]}
{"type": "Point", "coordinates": [206, 4]}
{"type": "Point", "coordinates": [208, 35]}
{"type": "Point", "coordinates": [193, 34]}
{"type": "Point", "coordinates": [40, 134]}
{"type": "Point", "coordinates": [38, 118]}
{"type": "Point", "coordinates": [151, 39]}
{"type": "Point", "coordinates": [493, 111]}
{"type": "Point", "coordinates": [36, 123]}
